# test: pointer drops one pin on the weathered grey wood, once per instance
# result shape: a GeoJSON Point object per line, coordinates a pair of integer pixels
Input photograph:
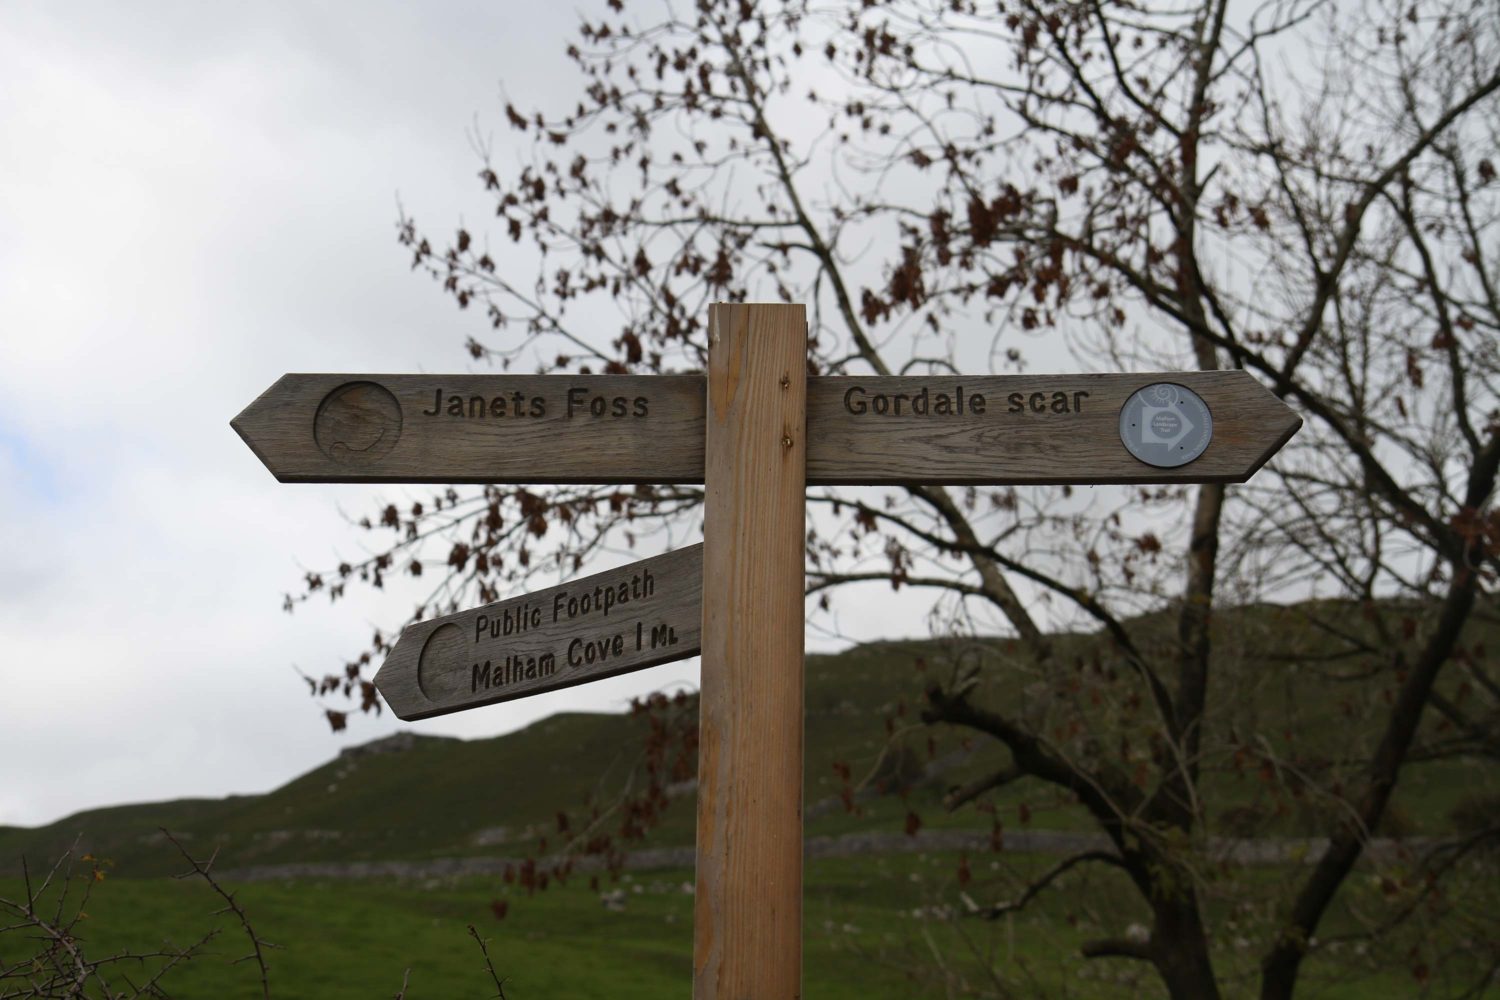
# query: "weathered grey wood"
{"type": "Point", "coordinates": [747, 911]}
{"type": "Point", "coordinates": [630, 618]}
{"type": "Point", "coordinates": [382, 429]}
{"type": "Point", "coordinates": [1033, 429]}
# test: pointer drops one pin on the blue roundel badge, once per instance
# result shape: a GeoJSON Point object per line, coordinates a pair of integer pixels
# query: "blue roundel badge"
{"type": "Point", "coordinates": [1166, 425]}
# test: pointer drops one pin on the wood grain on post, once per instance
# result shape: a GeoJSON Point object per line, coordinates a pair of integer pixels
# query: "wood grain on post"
{"type": "Point", "coordinates": [747, 923]}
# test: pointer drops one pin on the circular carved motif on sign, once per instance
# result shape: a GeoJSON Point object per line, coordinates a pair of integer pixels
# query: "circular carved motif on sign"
{"type": "Point", "coordinates": [440, 668]}
{"type": "Point", "coordinates": [1166, 425]}
{"type": "Point", "coordinates": [358, 423]}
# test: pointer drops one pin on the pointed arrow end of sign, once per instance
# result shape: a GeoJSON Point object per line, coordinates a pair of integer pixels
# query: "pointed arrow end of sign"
{"type": "Point", "coordinates": [256, 425]}
{"type": "Point", "coordinates": [397, 679]}
{"type": "Point", "coordinates": [385, 675]}
{"type": "Point", "coordinates": [382, 679]}
{"type": "Point", "coordinates": [244, 426]}
{"type": "Point", "coordinates": [1279, 425]}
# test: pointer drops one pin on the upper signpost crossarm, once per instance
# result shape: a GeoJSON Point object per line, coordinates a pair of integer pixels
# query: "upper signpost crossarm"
{"type": "Point", "coordinates": [959, 430]}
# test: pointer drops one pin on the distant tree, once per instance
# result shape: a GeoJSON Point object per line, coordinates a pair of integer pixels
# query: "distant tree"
{"type": "Point", "coordinates": [1302, 189]}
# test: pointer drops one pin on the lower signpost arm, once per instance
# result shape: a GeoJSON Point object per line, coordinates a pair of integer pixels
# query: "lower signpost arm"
{"type": "Point", "coordinates": [747, 922]}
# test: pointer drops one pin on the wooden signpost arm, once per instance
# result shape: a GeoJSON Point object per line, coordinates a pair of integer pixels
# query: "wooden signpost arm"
{"type": "Point", "coordinates": [862, 430]}
{"type": "Point", "coordinates": [747, 922]}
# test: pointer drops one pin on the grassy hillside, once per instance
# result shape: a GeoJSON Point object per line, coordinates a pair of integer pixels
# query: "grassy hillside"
{"type": "Point", "coordinates": [442, 797]}
{"type": "Point", "coordinates": [446, 797]}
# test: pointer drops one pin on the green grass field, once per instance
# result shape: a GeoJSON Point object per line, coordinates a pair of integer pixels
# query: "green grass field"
{"type": "Point", "coordinates": [876, 928]}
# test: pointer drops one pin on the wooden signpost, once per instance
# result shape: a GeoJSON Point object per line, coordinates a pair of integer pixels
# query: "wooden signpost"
{"type": "Point", "coordinates": [756, 430]}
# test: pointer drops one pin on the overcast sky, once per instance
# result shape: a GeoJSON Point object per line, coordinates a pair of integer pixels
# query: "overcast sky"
{"type": "Point", "coordinates": [194, 199]}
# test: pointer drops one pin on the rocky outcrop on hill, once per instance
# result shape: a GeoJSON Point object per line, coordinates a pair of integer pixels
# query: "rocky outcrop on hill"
{"type": "Point", "coordinates": [395, 743]}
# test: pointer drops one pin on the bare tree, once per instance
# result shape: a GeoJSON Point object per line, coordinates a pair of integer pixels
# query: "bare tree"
{"type": "Point", "coordinates": [1298, 188]}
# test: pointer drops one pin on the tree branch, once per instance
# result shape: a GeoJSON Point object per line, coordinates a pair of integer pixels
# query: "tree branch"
{"type": "Point", "coordinates": [998, 910]}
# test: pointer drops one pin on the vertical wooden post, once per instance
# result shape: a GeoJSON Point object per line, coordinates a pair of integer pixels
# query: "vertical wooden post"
{"type": "Point", "coordinates": [747, 922]}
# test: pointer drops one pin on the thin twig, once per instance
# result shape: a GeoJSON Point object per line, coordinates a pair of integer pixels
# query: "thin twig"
{"type": "Point", "coordinates": [490, 966]}
{"type": "Point", "coordinates": [202, 870]}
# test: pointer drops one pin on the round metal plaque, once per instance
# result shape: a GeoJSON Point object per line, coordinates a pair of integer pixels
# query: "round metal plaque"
{"type": "Point", "coordinates": [1166, 425]}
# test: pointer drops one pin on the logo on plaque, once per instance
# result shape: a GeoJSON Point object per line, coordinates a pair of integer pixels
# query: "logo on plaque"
{"type": "Point", "coordinates": [1166, 425]}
